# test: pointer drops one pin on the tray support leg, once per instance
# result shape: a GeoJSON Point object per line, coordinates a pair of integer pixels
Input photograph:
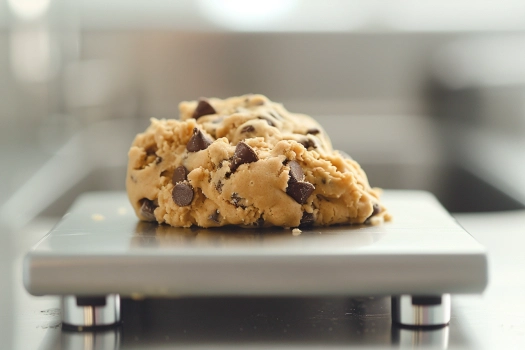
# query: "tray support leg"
{"type": "Point", "coordinates": [79, 312]}
{"type": "Point", "coordinates": [421, 311]}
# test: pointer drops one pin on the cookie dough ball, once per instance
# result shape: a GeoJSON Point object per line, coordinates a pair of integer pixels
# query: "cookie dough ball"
{"type": "Point", "coordinates": [245, 161]}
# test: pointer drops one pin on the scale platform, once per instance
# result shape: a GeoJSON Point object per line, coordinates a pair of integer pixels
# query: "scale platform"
{"type": "Point", "coordinates": [100, 250]}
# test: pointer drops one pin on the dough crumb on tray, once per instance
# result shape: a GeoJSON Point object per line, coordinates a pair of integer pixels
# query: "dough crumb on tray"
{"type": "Point", "coordinates": [246, 161]}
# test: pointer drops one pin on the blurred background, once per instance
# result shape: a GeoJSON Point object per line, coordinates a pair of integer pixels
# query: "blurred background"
{"type": "Point", "coordinates": [425, 95]}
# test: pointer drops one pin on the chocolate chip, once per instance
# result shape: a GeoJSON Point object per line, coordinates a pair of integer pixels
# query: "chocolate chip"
{"type": "Point", "coordinates": [300, 191]}
{"type": "Point", "coordinates": [147, 208]}
{"type": "Point", "coordinates": [203, 108]}
{"type": "Point", "coordinates": [243, 154]}
{"type": "Point", "coordinates": [180, 174]}
{"type": "Point", "coordinates": [236, 200]}
{"type": "Point", "coordinates": [215, 216]}
{"type": "Point", "coordinates": [198, 141]}
{"type": "Point", "coordinates": [268, 120]}
{"type": "Point", "coordinates": [307, 219]}
{"type": "Point", "coordinates": [219, 185]}
{"type": "Point", "coordinates": [158, 160]}
{"type": "Point", "coordinates": [377, 209]}
{"type": "Point", "coordinates": [247, 128]}
{"type": "Point", "coordinates": [182, 194]}
{"type": "Point", "coordinates": [296, 172]}
{"type": "Point", "coordinates": [259, 222]}
{"type": "Point", "coordinates": [307, 143]}
{"type": "Point", "coordinates": [313, 131]}
{"type": "Point", "coordinates": [151, 151]}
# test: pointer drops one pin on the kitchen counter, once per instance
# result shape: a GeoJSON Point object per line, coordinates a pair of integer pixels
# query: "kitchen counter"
{"type": "Point", "coordinates": [488, 321]}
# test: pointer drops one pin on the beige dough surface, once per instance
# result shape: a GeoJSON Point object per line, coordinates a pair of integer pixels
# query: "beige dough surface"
{"type": "Point", "coordinates": [247, 161]}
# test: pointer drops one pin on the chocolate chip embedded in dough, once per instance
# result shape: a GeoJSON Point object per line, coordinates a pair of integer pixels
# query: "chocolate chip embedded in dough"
{"type": "Point", "coordinates": [247, 128]}
{"type": "Point", "coordinates": [300, 191]}
{"type": "Point", "coordinates": [158, 160]}
{"type": "Point", "coordinates": [313, 131]}
{"type": "Point", "coordinates": [147, 208]}
{"type": "Point", "coordinates": [236, 199]}
{"type": "Point", "coordinates": [296, 172]}
{"type": "Point", "coordinates": [203, 108]}
{"type": "Point", "coordinates": [271, 123]}
{"type": "Point", "coordinates": [377, 209]}
{"type": "Point", "coordinates": [198, 141]}
{"type": "Point", "coordinates": [307, 143]}
{"type": "Point", "coordinates": [182, 194]}
{"type": "Point", "coordinates": [259, 222]}
{"type": "Point", "coordinates": [243, 154]}
{"type": "Point", "coordinates": [215, 216]}
{"type": "Point", "coordinates": [219, 185]}
{"type": "Point", "coordinates": [307, 219]}
{"type": "Point", "coordinates": [180, 174]}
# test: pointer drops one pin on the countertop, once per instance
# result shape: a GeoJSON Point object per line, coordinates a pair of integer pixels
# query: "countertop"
{"type": "Point", "coordinates": [489, 321]}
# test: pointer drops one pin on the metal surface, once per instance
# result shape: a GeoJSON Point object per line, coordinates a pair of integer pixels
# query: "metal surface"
{"type": "Point", "coordinates": [100, 248]}
{"type": "Point", "coordinates": [493, 320]}
{"type": "Point", "coordinates": [83, 312]}
{"type": "Point", "coordinates": [425, 311]}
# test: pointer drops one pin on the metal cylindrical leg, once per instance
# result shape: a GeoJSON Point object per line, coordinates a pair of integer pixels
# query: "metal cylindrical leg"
{"type": "Point", "coordinates": [421, 311]}
{"type": "Point", "coordinates": [82, 311]}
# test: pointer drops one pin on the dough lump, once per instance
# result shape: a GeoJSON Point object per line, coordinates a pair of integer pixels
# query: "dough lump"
{"type": "Point", "coordinates": [246, 161]}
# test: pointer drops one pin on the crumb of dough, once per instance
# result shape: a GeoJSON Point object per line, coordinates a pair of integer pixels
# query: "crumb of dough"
{"type": "Point", "coordinates": [296, 232]}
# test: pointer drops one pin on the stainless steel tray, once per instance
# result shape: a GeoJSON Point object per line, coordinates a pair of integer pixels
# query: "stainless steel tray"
{"type": "Point", "coordinates": [101, 248]}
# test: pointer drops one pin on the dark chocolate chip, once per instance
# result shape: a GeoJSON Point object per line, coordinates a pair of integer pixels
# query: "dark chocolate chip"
{"type": "Point", "coordinates": [215, 216]}
{"type": "Point", "coordinates": [198, 141]}
{"type": "Point", "coordinates": [147, 208]}
{"type": "Point", "coordinates": [307, 219]}
{"type": "Point", "coordinates": [158, 160]}
{"type": "Point", "coordinates": [307, 143]}
{"type": "Point", "coordinates": [203, 108]}
{"type": "Point", "coordinates": [268, 120]}
{"type": "Point", "coordinates": [259, 222]}
{"type": "Point", "coordinates": [313, 131]}
{"type": "Point", "coordinates": [300, 191]}
{"type": "Point", "coordinates": [151, 151]}
{"type": "Point", "coordinates": [243, 154]}
{"type": "Point", "coordinates": [180, 174]}
{"type": "Point", "coordinates": [296, 172]}
{"type": "Point", "coordinates": [377, 209]}
{"type": "Point", "coordinates": [219, 186]}
{"type": "Point", "coordinates": [182, 194]}
{"type": "Point", "coordinates": [236, 200]}
{"type": "Point", "coordinates": [247, 128]}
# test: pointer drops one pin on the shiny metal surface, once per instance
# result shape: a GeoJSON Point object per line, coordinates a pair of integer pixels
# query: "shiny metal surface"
{"type": "Point", "coordinates": [108, 339]}
{"type": "Point", "coordinates": [493, 320]}
{"type": "Point", "coordinates": [81, 315]}
{"type": "Point", "coordinates": [406, 310]}
{"type": "Point", "coordinates": [100, 247]}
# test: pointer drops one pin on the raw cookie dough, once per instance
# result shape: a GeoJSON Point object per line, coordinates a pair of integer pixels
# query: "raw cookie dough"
{"type": "Point", "coordinates": [246, 161]}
